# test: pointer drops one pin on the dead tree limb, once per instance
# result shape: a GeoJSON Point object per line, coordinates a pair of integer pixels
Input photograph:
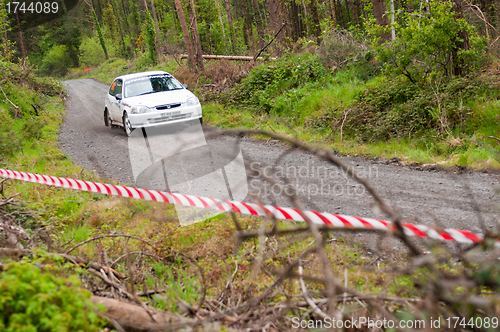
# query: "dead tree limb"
{"type": "Point", "coordinates": [135, 318]}
{"type": "Point", "coordinates": [262, 49]}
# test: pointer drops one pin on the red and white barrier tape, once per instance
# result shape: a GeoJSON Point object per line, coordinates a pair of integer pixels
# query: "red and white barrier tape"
{"type": "Point", "coordinates": [251, 209]}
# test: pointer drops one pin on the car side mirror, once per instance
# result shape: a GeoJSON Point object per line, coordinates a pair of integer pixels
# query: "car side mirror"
{"type": "Point", "coordinates": [118, 96]}
{"type": "Point", "coordinates": [185, 86]}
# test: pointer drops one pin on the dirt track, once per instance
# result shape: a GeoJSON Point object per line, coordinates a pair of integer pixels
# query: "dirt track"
{"type": "Point", "coordinates": [420, 196]}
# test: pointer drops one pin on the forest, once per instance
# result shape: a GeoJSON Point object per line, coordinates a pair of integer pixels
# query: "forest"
{"type": "Point", "coordinates": [86, 33]}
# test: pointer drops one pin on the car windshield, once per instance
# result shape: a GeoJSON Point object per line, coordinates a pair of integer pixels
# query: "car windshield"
{"type": "Point", "coordinates": [151, 84]}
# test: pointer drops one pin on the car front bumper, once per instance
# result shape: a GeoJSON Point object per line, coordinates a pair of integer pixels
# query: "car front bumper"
{"type": "Point", "coordinates": [164, 117]}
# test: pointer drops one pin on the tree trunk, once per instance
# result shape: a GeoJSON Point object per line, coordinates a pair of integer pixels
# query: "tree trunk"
{"type": "Point", "coordinates": [6, 40]}
{"type": "Point", "coordinates": [120, 29]}
{"type": "Point", "coordinates": [462, 44]}
{"type": "Point", "coordinates": [353, 11]}
{"type": "Point", "coordinates": [277, 19]}
{"type": "Point", "coordinates": [315, 16]}
{"type": "Point", "coordinates": [99, 34]}
{"type": "Point", "coordinates": [196, 36]}
{"type": "Point", "coordinates": [155, 18]}
{"type": "Point", "coordinates": [185, 32]}
{"type": "Point", "coordinates": [99, 10]}
{"type": "Point", "coordinates": [306, 19]}
{"type": "Point", "coordinates": [231, 26]}
{"type": "Point", "coordinates": [260, 24]}
{"type": "Point", "coordinates": [349, 20]}
{"type": "Point", "coordinates": [497, 9]}
{"type": "Point", "coordinates": [359, 5]}
{"type": "Point", "coordinates": [379, 10]}
{"type": "Point", "coordinates": [20, 35]}
{"type": "Point", "coordinates": [247, 30]}
{"type": "Point", "coordinates": [228, 57]}
{"type": "Point", "coordinates": [222, 26]}
{"type": "Point", "coordinates": [393, 32]}
{"type": "Point", "coordinates": [294, 21]}
{"type": "Point", "coordinates": [341, 14]}
{"type": "Point", "coordinates": [334, 17]}
{"type": "Point", "coordinates": [365, 14]}
{"type": "Point", "coordinates": [125, 19]}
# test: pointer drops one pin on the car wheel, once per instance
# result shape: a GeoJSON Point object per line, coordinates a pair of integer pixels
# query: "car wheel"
{"type": "Point", "coordinates": [201, 121]}
{"type": "Point", "coordinates": [127, 126]}
{"type": "Point", "coordinates": [107, 120]}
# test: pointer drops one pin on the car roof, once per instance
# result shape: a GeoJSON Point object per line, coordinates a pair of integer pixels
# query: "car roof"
{"type": "Point", "coordinates": [136, 75]}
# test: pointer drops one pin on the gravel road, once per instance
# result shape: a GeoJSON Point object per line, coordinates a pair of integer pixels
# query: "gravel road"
{"type": "Point", "coordinates": [421, 196]}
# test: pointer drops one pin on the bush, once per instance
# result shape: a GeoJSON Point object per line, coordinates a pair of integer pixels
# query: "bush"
{"type": "Point", "coordinates": [33, 299]}
{"type": "Point", "coordinates": [397, 108]}
{"type": "Point", "coordinates": [429, 44]}
{"type": "Point", "coordinates": [340, 46]}
{"type": "Point", "coordinates": [267, 81]}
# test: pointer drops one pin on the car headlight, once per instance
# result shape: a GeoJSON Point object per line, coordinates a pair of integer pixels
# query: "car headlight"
{"type": "Point", "coordinates": [191, 101]}
{"type": "Point", "coordinates": [140, 109]}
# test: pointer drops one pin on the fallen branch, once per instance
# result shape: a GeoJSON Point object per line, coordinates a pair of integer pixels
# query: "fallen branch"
{"type": "Point", "coordinates": [308, 299]}
{"type": "Point", "coordinates": [135, 318]}
{"type": "Point", "coordinates": [107, 236]}
{"type": "Point", "coordinates": [17, 107]}
{"type": "Point", "coordinates": [495, 138]}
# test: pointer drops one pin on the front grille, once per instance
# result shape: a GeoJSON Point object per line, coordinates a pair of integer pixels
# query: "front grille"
{"type": "Point", "coordinates": [170, 118]}
{"type": "Point", "coordinates": [168, 106]}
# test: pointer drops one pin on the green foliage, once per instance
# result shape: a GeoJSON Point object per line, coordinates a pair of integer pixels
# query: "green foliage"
{"type": "Point", "coordinates": [151, 38]}
{"type": "Point", "coordinates": [397, 108]}
{"type": "Point", "coordinates": [134, 19]}
{"type": "Point", "coordinates": [99, 34]}
{"type": "Point", "coordinates": [365, 66]}
{"type": "Point", "coordinates": [6, 47]}
{"type": "Point", "coordinates": [109, 18]}
{"type": "Point", "coordinates": [22, 125]}
{"type": "Point", "coordinates": [56, 61]}
{"type": "Point", "coordinates": [429, 44]}
{"type": "Point", "coordinates": [57, 47]}
{"type": "Point", "coordinates": [182, 284]}
{"type": "Point", "coordinates": [24, 76]}
{"type": "Point", "coordinates": [35, 297]}
{"type": "Point", "coordinates": [9, 137]}
{"type": "Point", "coordinates": [91, 52]}
{"type": "Point", "coordinates": [267, 81]}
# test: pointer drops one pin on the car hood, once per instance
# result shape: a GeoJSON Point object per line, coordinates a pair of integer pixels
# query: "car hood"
{"type": "Point", "coordinates": [161, 98]}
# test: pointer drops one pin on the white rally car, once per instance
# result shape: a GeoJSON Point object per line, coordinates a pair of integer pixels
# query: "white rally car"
{"type": "Point", "coordinates": [149, 99]}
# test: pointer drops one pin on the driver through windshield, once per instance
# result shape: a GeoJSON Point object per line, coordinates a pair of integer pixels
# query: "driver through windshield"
{"type": "Point", "coordinates": [150, 84]}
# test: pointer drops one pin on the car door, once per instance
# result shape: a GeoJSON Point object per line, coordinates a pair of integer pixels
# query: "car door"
{"type": "Point", "coordinates": [113, 102]}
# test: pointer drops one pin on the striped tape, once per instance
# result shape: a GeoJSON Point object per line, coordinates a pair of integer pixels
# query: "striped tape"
{"type": "Point", "coordinates": [250, 209]}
